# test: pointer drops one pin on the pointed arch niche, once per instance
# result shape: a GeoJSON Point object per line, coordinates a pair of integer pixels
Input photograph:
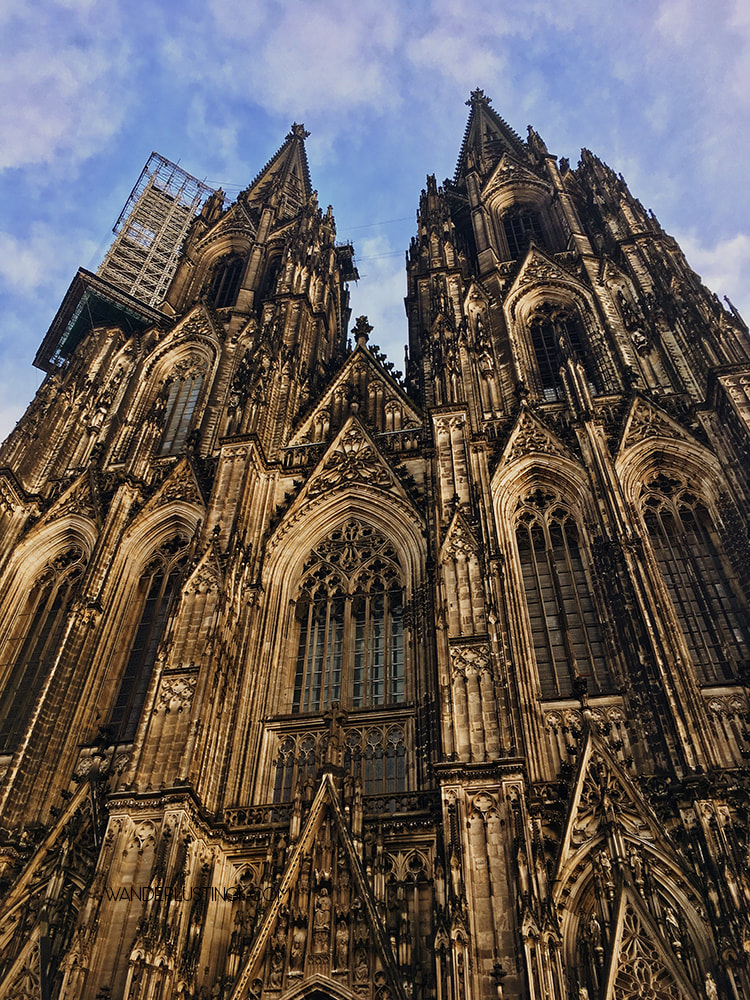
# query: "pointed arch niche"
{"type": "Point", "coordinates": [347, 665]}
{"type": "Point", "coordinates": [679, 497]}
{"type": "Point", "coordinates": [560, 349]}
{"type": "Point", "coordinates": [524, 212]}
{"type": "Point", "coordinates": [558, 614]}
{"type": "Point", "coordinates": [154, 598]}
{"type": "Point", "coordinates": [34, 641]}
{"type": "Point", "coordinates": [704, 589]}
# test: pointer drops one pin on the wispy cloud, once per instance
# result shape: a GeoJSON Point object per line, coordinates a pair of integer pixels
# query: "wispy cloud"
{"type": "Point", "coordinates": [66, 77]}
{"type": "Point", "coordinates": [40, 258]}
{"type": "Point", "coordinates": [723, 266]}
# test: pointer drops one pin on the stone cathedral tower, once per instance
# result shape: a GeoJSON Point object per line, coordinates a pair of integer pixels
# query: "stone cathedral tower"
{"type": "Point", "coordinates": [317, 683]}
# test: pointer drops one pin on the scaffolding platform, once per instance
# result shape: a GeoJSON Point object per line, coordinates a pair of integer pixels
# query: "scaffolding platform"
{"type": "Point", "coordinates": [151, 228]}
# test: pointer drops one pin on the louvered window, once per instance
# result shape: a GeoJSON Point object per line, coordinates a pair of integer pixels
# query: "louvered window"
{"type": "Point", "coordinates": [157, 590]}
{"type": "Point", "coordinates": [556, 336]}
{"type": "Point", "coordinates": [33, 648]}
{"type": "Point", "coordinates": [522, 227]}
{"type": "Point", "coordinates": [708, 602]}
{"type": "Point", "coordinates": [225, 283]}
{"type": "Point", "coordinates": [559, 597]}
{"type": "Point", "coordinates": [180, 407]}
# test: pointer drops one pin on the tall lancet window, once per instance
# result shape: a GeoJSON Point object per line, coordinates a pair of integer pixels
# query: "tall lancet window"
{"type": "Point", "coordinates": [522, 227]}
{"type": "Point", "coordinates": [350, 615]}
{"type": "Point", "coordinates": [157, 590]}
{"type": "Point", "coordinates": [34, 644]}
{"type": "Point", "coordinates": [559, 596]}
{"type": "Point", "coordinates": [557, 335]}
{"type": "Point", "coordinates": [182, 395]}
{"type": "Point", "coordinates": [225, 281]}
{"type": "Point", "coordinates": [711, 609]}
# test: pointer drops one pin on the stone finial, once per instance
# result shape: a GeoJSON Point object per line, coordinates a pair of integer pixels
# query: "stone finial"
{"type": "Point", "coordinates": [362, 331]}
{"type": "Point", "coordinates": [478, 96]}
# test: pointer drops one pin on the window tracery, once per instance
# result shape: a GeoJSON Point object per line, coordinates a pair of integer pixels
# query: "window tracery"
{"type": "Point", "coordinates": [705, 593]}
{"type": "Point", "coordinates": [556, 336]}
{"type": "Point", "coordinates": [157, 590]}
{"type": "Point", "coordinates": [31, 650]}
{"type": "Point", "coordinates": [225, 282]}
{"type": "Point", "coordinates": [181, 397]}
{"type": "Point", "coordinates": [373, 754]}
{"type": "Point", "coordinates": [350, 613]}
{"type": "Point", "coordinates": [522, 226]}
{"type": "Point", "coordinates": [559, 598]}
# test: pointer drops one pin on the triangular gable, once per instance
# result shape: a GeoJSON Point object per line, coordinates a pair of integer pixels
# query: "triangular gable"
{"type": "Point", "coordinates": [510, 170]}
{"type": "Point", "coordinates": [198, 322]}
{"type": "Point", "coordinates": [604, 796]}
{"type": "Point", "coordinates": [12, 494]}
{"type": "Point", "coordinates": [208, 573]}
{"type": "Point", "coordinates": [539, 268]}
{"type": "Point", "coordinates": [304, 937]}
{"type": "Point", "coordinates": [235, 220]}
{"type": "Point", "coordinates": [353, 459]}
{"type": "Point", "coordinates": [349, 376]}
{"type": "Point", "coordinates": [81, 497]}
{"type": "Point", "coordinates": [458, 538]}
{"type": "Point", "coordinates": [180, 484]}
{"type": "Point", "coordinates": [531, 436]}
{"type": "Point", "coordinates": [476, 293]}
{"type": "Point", "coordinates": [644, 420]}
{"type": "Point", "coordinates": [43, 872]}
{"type": "Point", "coordinates": [638, 948]}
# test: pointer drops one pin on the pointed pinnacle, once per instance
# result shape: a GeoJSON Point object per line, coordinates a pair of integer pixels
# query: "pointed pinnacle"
{"type": "Point", "coordinates": [478, 96]}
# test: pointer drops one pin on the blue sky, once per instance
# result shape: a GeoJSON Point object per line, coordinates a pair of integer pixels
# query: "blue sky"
{"type": "Point", "coordinates": [659, 89]}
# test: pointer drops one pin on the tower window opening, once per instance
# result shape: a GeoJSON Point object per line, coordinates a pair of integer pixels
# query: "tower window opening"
{"type": "Point", "coordinates": [225, 283]}
{"type": "Point", "coordinates": [32, 650]}
{"type": "Point", "coordinates": [556, 337]}
{"type": "Point", "coordinates": [180, 407]}
{"type": "Point", "coordinates": [522, 227]}
{"type": "Point", "coordinates": [157, 589]}
{"type": "Point", "coordinates": [559, 597]}
{"type": "Point", "coordinates": [702, 586]}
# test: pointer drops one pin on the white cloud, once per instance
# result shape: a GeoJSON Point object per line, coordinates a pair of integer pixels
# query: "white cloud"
{"type": "Point", "coordinates": [380, 295]}
{"type": "Point", "coordinates": [307, 58]}
{"type": "Point", "coordinates": [65, 79]}
{"type": "Point", "coordinates": [723, 267]}
{"type": "Point", "coordinates": [44, 258]}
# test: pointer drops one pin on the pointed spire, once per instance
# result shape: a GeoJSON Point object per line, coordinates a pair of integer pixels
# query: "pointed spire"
{"type": "Point", "coordinates": [286, 173]}
{"type": "Point", "coordinates": [486, 138]}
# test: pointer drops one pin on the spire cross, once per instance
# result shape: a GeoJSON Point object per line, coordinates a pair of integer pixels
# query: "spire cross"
{"type": "Point", "coordinates": [298, 130]}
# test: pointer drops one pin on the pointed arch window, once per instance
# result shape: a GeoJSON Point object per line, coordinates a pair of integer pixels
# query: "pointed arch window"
{"type": "Point", "coordinates": [559, 597]}
{"type": "Point", "coordinates": [182, 395]}
{"type": "Point", "coordinates": [708, 601]}
{"type": "Point", "coordinates": [351, 624]}
{"type": "Point", "coordinates": [39, 633]}
{"type": "Point", "coordinates": [522, 226]}
{"type": "Point", "coordinates": [557, 335]}
{"type": "Point", "coordinates": [225, 282]}
{"type": "Point", "coordinates": [157, 591]}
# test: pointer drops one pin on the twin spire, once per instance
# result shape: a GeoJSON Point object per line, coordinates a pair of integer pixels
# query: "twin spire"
{"type": "Point", "coordinates": [486, 138]}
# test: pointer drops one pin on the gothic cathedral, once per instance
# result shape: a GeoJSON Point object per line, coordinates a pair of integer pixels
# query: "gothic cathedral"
{"type": "Point", "coordinates": [324, 683]}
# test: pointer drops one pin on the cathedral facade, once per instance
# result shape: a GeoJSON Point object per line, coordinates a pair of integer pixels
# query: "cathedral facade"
{"type": "Point", "coordinates": [321, 681]}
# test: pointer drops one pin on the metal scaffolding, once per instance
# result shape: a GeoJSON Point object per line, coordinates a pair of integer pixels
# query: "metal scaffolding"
{"type": "Point", "coordinates": [151, 229]}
